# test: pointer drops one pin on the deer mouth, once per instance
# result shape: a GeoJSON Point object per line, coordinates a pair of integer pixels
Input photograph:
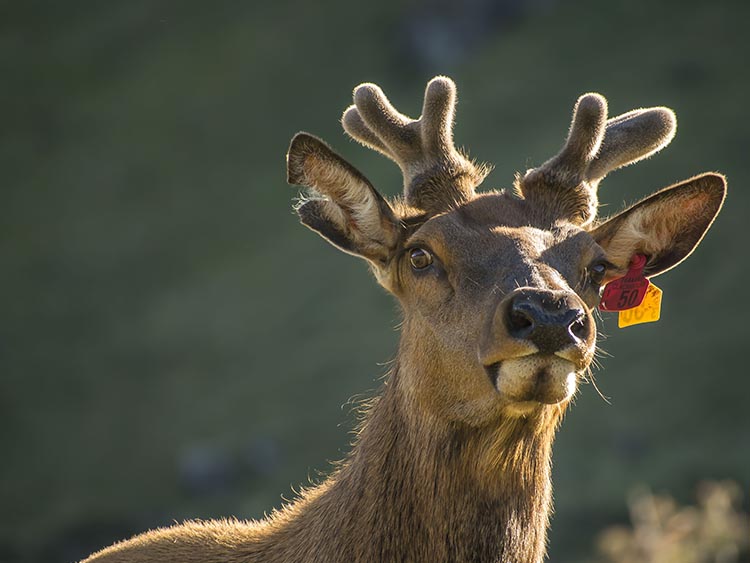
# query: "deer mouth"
{"type": "Point", "coordinates": [537, 378]}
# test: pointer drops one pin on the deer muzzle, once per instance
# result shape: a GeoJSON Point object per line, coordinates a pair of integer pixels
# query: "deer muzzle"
{"type": "Point", "coordinates": [535, 343]}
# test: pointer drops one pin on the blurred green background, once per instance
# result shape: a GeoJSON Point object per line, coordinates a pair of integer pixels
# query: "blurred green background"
{"type": "Point", "coordinates": [174, 344]}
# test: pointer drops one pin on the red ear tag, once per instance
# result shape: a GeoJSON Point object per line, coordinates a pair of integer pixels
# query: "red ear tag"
{"type": "Point", "coordinates": [626, 292]}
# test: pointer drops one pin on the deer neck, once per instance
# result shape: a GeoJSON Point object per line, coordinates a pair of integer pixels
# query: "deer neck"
{"type": "Point", "coordinates": [415, 489]}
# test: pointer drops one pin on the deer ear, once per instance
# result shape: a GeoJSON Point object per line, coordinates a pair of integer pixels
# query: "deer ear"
{"type": "Point", "coordinates": [666, 226]}
{"type": "Point", "coordinates": [344, 207]}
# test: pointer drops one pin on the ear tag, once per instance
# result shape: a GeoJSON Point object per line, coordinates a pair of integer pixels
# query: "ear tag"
{"type": "Point", "coordinates": [648, 311]}
{"type": "Point", "coordinates": [628, 291]}
{"type": "Point", "coordinates": [636, 298]}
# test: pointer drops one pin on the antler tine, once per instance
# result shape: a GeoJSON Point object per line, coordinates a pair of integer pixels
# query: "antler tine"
{"type": "Point", "coordinates": [358, 129]}
{"type": "Point", "coordinates": [631, 137]}
{"type": "Point", "coordinates": [566, 184]}
{"type": "Point", "coordinates": [436, 174]}
{"type": "Point", "coordinates": [390, 126]}
{"type": "Point", "coordinates": [438, 110]}
{"type": "Point", "coordinates": [559, 185]}
{"type": "Point", "coordinates": [586, 132]}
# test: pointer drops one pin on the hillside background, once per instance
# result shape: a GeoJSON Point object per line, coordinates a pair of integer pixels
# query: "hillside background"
{"type": "Point", "coordinates": [173, 344]}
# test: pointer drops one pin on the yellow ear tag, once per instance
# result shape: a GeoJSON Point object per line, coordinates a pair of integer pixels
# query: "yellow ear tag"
{"type": "Point", "coordinates": [648, 311]}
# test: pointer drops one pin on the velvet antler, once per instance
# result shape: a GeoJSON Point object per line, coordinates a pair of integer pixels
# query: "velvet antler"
{"type": "Point", "coordinates": [566, 184]}
{"type": "Point", "coordinates": [436, 174]}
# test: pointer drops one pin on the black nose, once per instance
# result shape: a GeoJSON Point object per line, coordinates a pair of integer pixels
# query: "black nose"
{"type": "Point", "coordinates": [551, 320]}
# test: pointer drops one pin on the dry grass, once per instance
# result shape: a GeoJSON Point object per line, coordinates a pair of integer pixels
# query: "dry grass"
{"type": "Point", "coordinates": [716, 530]}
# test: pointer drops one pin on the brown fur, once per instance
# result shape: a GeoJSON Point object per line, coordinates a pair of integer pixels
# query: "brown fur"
{"type": "Point", "coordinates": [410, 491]}
{"type": "Point", "coordinates": [452, 462]}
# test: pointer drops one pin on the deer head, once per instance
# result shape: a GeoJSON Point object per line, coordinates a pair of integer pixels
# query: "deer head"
{"type": "Point", "coordinates": [497, 288]}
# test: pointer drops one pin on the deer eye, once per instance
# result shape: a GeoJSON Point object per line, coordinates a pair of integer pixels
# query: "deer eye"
{"type": "Point", "coordinates": [596, 273]}
{"type": "Point", "coordinates": [419, 258]}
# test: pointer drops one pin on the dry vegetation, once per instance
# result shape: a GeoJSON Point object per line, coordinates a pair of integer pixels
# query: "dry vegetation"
{"type": "Point", "coordinates": [715, 530]}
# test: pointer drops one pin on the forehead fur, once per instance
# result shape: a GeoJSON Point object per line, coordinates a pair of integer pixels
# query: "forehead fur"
{"type": "Point", "coordinates": [483, 213]}
{"type": "Point", "coordinates": [496, 233]}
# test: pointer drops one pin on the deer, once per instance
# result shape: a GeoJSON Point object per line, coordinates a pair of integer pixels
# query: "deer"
{"type": "Point", "coordinates": [498, 291]}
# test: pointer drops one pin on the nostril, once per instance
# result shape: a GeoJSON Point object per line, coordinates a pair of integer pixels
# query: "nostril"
{"type": "Point", "coordinates": [579, 328]}
{"type": "Point", "coordinates": [520, 322]}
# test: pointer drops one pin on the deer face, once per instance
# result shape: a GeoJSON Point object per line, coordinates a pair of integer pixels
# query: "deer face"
{"type": "Point", "coordinates": [497, 289]}
{"type": "Point", "coordinates": [503, 307]}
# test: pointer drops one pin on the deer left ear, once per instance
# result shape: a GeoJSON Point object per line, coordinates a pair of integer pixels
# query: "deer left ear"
{"type": "Point", "coordinates": [345, 208]}
{"type": "Point", "coordinates": [666, 227]}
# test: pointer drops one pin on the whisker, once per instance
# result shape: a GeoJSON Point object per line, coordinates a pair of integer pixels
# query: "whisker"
{"type": "Point", "coordinates": [592, 380]}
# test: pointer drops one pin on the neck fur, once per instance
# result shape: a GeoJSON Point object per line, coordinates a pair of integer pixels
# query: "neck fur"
{"type": "Point", "coordinates": [425, 490]}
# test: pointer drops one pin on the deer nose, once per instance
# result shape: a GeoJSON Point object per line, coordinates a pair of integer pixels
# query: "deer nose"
{"type": "Point", "coordinates": [551, 320]}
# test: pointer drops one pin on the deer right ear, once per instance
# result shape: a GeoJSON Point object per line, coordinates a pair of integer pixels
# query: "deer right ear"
{"type": "Point", "coordinates": [666, 227]}
{"type": "Point", "coordinates": [344, 208]}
